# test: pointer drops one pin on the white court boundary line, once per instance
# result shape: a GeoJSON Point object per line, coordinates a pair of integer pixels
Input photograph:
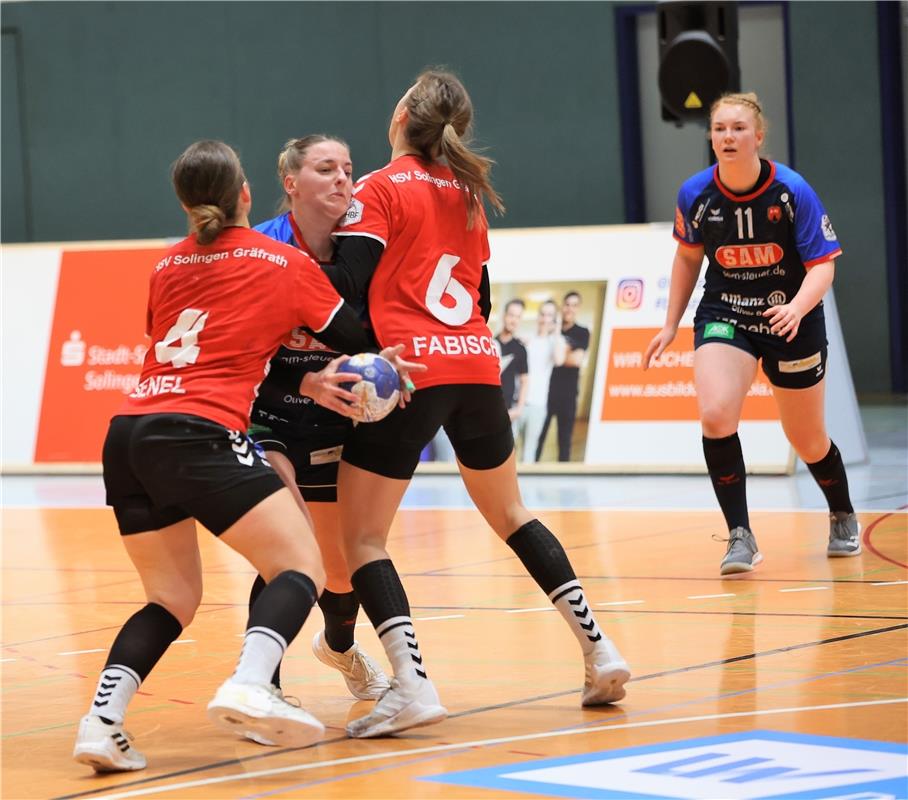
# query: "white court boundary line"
{"type": "Point", "coordinates": [264, 773]}
{"type": "Point", "coordinates": [466, 506]}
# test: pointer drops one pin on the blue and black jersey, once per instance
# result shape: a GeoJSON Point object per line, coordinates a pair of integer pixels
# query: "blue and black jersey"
{"type": "Point", "coordinates": [279, 401]}
{"type": "Point", "coordinates": [759, 245]}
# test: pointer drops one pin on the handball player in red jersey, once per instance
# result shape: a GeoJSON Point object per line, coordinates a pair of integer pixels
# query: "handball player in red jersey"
{"type": "Point", "coordinates": [415, 240]}
{"type": "Point", "coordinates": [220, 303]}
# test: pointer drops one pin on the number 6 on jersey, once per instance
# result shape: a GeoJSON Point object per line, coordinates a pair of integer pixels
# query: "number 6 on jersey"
{"type": "Point", "coordinates": [443, 283]}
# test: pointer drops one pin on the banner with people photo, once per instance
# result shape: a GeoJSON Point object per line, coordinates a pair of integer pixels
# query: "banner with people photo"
{"type": "Point", "coordinates": [573, 312]}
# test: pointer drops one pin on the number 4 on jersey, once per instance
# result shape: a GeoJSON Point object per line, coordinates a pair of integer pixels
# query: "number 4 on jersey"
{"type": "Point", "coordinates": [185, 330]}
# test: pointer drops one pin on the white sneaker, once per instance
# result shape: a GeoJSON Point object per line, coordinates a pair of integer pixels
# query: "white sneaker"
{"type": "Point", "coordinates": [606, 672]}
{"type": "Point", "coordinates": [246, 708]}
{"type": "Point", "coordinates": [105, 747]}
{"type": "Point", "coordinates": [253, 736]}
{"type": "Point", "coordinates": [363, 676]}
{"type": "Point", "coordinates": [400, 708]}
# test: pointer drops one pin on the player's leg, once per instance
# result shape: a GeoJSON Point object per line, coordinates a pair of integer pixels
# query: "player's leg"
{"type": "Point", "coordinates": [274, 537]}
{"type": "Point", "coordinates": [169, 567]}
{"type": "Point", "coordinates": [485, 450]}
{"type": "Point", "coordinates": [801, 403]}
{"type": "Point", "coordinates": [723, 374]}
{"type": "Point", "coordinates": [335, 646]}
{"type": "Point", "coordinates": [229, 488]}
{"type": "Point", "coordinates": [162, 544]}
{"type": "Point", "coordinates": [378, 462]}
{"type": "Point", "coordinates": [276, 454]}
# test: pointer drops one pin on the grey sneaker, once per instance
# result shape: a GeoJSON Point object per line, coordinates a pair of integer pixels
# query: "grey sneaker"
{"type": "Point", "coordinates": [844, 535]}
{"type": "Point", "coordinates": [742, 554]}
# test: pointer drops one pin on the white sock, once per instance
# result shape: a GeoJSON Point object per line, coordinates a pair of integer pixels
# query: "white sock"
{"type": "Point", "coordinates": [570, 600]}
{"type": "Point", "coordinates": [116, 688]}
{"type": "Point", "coordinates": [263, 650]}
{"type": "Point", "coordinates": [399, 640]}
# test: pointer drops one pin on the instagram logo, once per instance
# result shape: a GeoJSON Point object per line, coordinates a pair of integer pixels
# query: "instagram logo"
{"type": "Point", "coordinates": [630, 293]}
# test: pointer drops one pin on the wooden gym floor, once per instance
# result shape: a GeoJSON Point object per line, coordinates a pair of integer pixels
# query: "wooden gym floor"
{"type": "Point", "coordinates": [806, 655]}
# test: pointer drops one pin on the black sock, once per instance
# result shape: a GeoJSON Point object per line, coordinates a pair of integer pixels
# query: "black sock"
{"type": "Point", "coordinates": [542, 555]}
{"type": "Point", "coordinates": [284, 604]}
{"type": "Point", "coordinates": [340, 612]}
{"type": "Point", "coordinates": [829, 473]}
{"type": "Point", "coordinates": [380, 591]}
{"type": "Point", "coordinates": [384, 600]}
{"type": "Point", "coordinates": [725, 463]}
{"type": "Point", "coordinates": [257, 587]}
{"type": "Point", "coordinates": [144, 639]}
{"type": "Point", "coordinates": [138, 647]}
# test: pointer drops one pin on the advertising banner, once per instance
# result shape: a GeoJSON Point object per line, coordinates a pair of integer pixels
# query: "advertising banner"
{"type": "Point", "coordinates": [97, 344]}
{"type": "Point", "coordinates": [590, 301]}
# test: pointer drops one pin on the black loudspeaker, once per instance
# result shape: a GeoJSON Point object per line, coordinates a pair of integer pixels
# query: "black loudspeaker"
{"type": "Point", "coordinates": [698, 56]}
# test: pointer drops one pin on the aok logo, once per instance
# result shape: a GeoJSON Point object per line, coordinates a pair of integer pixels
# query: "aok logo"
{"type": "Point", "coordinates": [736, 256]}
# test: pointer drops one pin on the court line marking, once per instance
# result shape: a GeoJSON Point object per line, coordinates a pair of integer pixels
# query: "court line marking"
{"type": "Point", "coordinates": [509, 704]}
{"type": "Point", "coordinates": [528, 610]}
{"type": "Point", "coordinates": [468, 506]}
{"type": "Point", "coordinates": [805, 589]}
{"type": "Point", "coordinates": [187, 641]}
{"type": "Point", "coordinates": [710, 596]}
{"type": "Point", "coordinates": [266, 773]}
{"type": "Point", "coordinates": [620, 603]}
{"type": "Point", "coordinates": [869, 531]}
{"type": "Point", "coordinates": [647, 712]}
{"type": "Point", "coordinates": [5, 660]}
{"type": "Point", "coordinates": [80, 652]}
{"type": "Point", "coordinates": [447, 616]}
{"type": "Point", "coordinates": [889, 583]}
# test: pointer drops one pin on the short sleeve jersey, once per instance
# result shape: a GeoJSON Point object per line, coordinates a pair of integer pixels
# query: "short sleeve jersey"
{"type": "Point", "coordinates": [425, 289]}
{"type": "Point", "coordinates": [300, 353]}
{"type": "Point", "coordinates": [513, 364]}
{"type": "Point", "coordinates": [216, 314]}
{"type": "Point", "coordinates": [565, 379]}
{"type": "Point", "coordinates": [759, 246]}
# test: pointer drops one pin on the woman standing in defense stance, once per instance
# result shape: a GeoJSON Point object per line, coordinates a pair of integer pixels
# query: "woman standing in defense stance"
{"type": "Point", "coordinates": [771, 251]}
{"type": "Point", "coordinates": [416, 239]}
{"type": "Point", "coordinates": [304, 435]}
{"type": "Point", "coordinates": [220, 302]}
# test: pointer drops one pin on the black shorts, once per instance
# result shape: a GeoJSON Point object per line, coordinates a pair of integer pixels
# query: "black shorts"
{"type": "Point", "coordinates": [798, 364]}
{"type": "Point", "coordinates": [473, 415]}
{"type": "Point", "coordinates": [160, 469]}
{"type": "Point", "coordinates": [314, 451]}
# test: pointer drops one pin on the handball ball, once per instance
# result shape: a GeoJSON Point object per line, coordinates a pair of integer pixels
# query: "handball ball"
{"type": "Point", "coordinates": [379, 389]}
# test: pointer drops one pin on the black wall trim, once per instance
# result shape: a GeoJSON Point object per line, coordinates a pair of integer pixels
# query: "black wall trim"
{"type": "Point", "coordinates": [892, 125]}
{"type": "Point", "coordinates": [629, 109]}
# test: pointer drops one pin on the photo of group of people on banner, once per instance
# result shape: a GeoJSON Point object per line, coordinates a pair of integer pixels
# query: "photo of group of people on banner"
{"type": "Point", "coordinates": [547, 336]}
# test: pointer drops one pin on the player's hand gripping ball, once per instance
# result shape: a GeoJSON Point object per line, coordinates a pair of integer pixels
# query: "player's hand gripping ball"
{"type": "Point", "coordinates": [379, 390]}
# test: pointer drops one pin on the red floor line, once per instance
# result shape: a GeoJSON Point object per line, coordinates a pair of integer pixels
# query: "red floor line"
{"type": "Point", "coordinates": [869, 544]}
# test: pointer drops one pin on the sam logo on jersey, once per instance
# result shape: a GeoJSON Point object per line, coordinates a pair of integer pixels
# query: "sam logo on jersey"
{"type": "Point", "coordinates": [743, 256]}
{"type": "Point", "coordinates": [299, 339]}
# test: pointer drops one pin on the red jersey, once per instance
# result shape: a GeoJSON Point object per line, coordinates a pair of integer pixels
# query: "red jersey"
{"type": "Point", "coordinates": [216, 315]}
{"type": "Point", "coordinates": [425, 290]}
